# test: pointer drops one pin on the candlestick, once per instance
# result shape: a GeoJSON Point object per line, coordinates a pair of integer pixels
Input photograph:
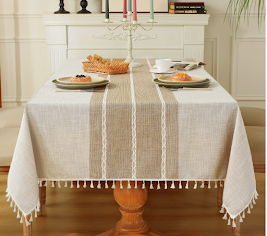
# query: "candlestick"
{"type": "Point", "coordinates": [130, 26]}
{"type": "Point", "coordinates": [134, 12]}
{"type": "Point", "coordinates": [61, 8]}
{"type": "Point", "coordinates": [107, 9]}
{"type": "Point", "coordinates": [129, 5]}
{"type": "Point", "coordinates": [83, 5]}
{"type": "Point", "coordinates": [151, 10]}
{"type": "Point", "coordinates": [124, 9]}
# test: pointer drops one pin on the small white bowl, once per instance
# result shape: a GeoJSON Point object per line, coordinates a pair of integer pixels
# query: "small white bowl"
{"type": "Point", "coordinates": [163, 65]}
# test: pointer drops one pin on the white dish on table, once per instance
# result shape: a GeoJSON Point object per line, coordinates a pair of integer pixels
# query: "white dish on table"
{"type": "Point", "coordinates": [195, 79]}
{"type": "Point", "coordinates": [67, 80]}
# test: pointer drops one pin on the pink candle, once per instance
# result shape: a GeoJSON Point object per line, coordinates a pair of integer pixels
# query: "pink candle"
{"type": "Point", "coordinates": [134, 11]}
{"type": "Point", "coordinates": [124, 8]}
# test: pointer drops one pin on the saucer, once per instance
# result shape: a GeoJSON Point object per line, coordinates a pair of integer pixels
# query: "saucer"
{"type": "Point", "coordinates": [170, 71]}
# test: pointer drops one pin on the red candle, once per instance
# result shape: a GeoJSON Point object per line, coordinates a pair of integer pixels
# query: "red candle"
{"type": "Point", "coordinates": [124, 8]}
{"type": "Point", "coordinates": [134, 11]}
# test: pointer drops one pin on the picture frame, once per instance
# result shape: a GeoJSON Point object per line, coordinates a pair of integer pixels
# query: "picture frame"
{"type": "Point", "coordinates": [143, 6]}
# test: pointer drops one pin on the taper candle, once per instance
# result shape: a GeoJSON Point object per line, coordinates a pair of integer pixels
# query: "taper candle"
{"type": "Point", "coordinates": [124, 8]}
{"type": "Point", "coordinates": [151, 10]}
{"type": "Point", "coordinates": [129, 5]}
{"type": "Point", "coordinates": [134, 11]}
{"type": "Point", "coordinates": [107, 9]}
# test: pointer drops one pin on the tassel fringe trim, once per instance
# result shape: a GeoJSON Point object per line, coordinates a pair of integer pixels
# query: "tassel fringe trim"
{"type": "Point", "coordinates": [154, 184]}
{"type": "Point", "coordinates": [19, 213]}
{"type": "Point", "coordinates": [232, 220]}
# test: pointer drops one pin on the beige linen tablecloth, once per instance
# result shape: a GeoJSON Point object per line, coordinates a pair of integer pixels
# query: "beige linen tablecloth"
{"type": "Point", "coordinates": [132, 130]}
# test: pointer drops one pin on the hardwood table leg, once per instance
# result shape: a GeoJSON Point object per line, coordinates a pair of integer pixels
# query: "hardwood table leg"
{"type": "Point", "coordinates": [219, 194]}
{"type": "Point", "coordinates": [236, 230]}
{"type": "Point", "coordinates": [131, 203]}
{"type": "Point", "coordinates": [27, 230]}
{"type": "Point", "coordinates": [42, 197]}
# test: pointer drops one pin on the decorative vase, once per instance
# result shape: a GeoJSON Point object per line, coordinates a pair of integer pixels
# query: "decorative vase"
{"type": "Point", "coordinates": [61, 8]}
{"type": "Point", "coordinates": [83, 5]}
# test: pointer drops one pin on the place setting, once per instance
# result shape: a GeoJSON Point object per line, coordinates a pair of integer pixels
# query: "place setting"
{"type": "Point", "coordinates": [178, 80]}
{"type": "Point", "coordinates": [79, 83]}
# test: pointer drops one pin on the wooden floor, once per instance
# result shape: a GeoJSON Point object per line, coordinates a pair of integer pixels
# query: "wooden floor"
{"type": "Point", "coordinates": [92, 211]}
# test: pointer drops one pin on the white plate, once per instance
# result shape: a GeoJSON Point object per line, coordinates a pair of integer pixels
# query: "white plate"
{"type": "Point", "coordinates": [170, 71]}
{"type": "Point", "coordinates": [195, 79]}
{"type": "Point", "coordinates": [67, 80]}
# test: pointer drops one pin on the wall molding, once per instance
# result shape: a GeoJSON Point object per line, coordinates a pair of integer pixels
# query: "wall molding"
{"type": "Point", "coordinates": [215, 53]}
{"type": "Point", "coordinates": [20, 15]}
{"type": "Point", "coordinates": [22, 40]}
{"type": "Point", "coordinates": [234, 68]}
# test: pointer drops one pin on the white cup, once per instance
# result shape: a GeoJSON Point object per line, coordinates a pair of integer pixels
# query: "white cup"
{"type": "Point", "coordinates": [163, 65]}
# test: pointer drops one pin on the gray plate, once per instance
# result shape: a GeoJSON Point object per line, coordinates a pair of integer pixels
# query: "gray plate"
{"type": "Point", "coordinates": [82, 86]}
{"type": "Point", "coordinates": [204, 84]}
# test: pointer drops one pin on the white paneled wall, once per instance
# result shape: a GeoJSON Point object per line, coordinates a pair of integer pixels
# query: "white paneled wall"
{"type": "Point", "coordinates": [236, 61]}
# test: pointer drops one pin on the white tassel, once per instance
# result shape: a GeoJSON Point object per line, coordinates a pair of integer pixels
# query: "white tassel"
{"type": "Point", "coordinates": [233, 225]}
{"type": "Point", "coordinates": [27, 223]}
{"type": "Point", "coordinates": [52, 184]}
{"type": "Point", "coordinates": [221, 185]}
{"type": "Point", "coordinates": [31, 219]}
{"type": "Point", "coordinates": [84, 184]}
{"type": "Point", "coordinates": [173, 185]}
{"type": "Point", "coordinates": [66, 184]}
{"type": "Point", "coordinates": [58, 184]}
{"type": "Point", "coordinates": [209, 185]}
{"type": "Point", "coordinates": [99, 184]}
{"type": "Point", "coordinates": [6, 190]}
{"type": "Point", "coordinates": [135, 186]}
{"type": "Point", "coordinates": [15, 210]}
{"type": "Point", "coordinates": [35, 214]}
{"type": "Point", "coordinates": [11, 204]}
{"type": "Point", "coordinates": [229, 221]}
{"type": "Point", "coordinates": [18, 215]}
{"type": "Point", "coordinates": [222, 210]}
{"type": "Point", "coordinates": [143, 185]}
{"type": "Point", "coordinates": [225, 216]}
{"type": "Point", "coordinates": [240, 219]}
{"type": "Point", "coordinates": [21, 220]}
{"type": "Point", "coordinates": [202, 185]}
{"type": "Point", "coordinates": [166, 185]}
{"type": "Point", "coordinates": [186, 186]}
{"type": "Point", "coordinates": [40, 184]}
{"type": "Point", "coordinates": [243, 215]}
{"type": "Point", "coordinates": [254, 202]}
{"type": "Point", "coordinates": [106, 184]}
{"type": "Point", "coordinates": [129, 185]}
{"type": "Point", "coordinates": [151, 185]}
{"type": "Point", "coordinates": [251, 205]}
{"type": "Point", "coordinates": [92, 184]}
{"type": "Point", "coordinates": [121, 187]}
{"type": "Point", "coordinates": [8, 199]}
{"type": "Point", "coordinates": [158, 186]}
{"type": "Point", "coordinates": [45, 184]}
{"type": "Point", "coordinates": [248, 210]}
{"type": "Point", "coordinates": [195, 186]}
{"type": "Point", "coordinates": [71, 184]}
{"type": "Point", "coordinates": [180, 185]}
{"type": "Point", "coordinates": [215, 185]}
{"type": "Point", "coordinates": [78, 184]}
{"type": "Point", "coordinates": [113, 185]}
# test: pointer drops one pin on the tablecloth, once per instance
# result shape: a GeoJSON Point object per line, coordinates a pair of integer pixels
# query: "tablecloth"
{"type": "Point", "coordinates": [134, 130]}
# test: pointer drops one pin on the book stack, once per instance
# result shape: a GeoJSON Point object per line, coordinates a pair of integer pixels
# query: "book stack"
{"type": "Point", "coordinates": [187, 8]}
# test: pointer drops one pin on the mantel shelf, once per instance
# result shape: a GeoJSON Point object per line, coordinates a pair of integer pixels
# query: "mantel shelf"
{"type": "Point", "coordinates": [98, 19]}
